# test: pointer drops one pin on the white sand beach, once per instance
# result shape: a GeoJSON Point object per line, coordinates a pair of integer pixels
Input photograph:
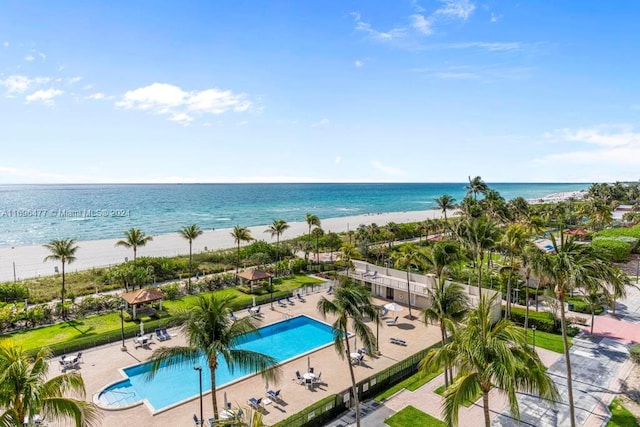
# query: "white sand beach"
{"type": "Point", "coordinates": [29, 262]}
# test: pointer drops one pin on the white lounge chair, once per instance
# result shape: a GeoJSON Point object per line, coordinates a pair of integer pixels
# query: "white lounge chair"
{"type": "Point", "coordinates": [397, 341]}
{"type": "Point", "coordinates": [393, 321]}
{"type": "Point", "coordinates": [255, 403]}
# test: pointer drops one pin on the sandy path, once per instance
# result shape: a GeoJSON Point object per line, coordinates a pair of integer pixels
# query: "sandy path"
{"type": "Point", "coordinates": [97, 253]}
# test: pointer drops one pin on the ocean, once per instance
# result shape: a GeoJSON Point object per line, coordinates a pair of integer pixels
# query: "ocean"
{"type": "Point", "coordinates": [34, 214]}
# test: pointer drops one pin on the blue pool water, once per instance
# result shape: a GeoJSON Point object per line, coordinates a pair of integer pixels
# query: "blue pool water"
{"type": "Point", "coordinates": [283, 340]}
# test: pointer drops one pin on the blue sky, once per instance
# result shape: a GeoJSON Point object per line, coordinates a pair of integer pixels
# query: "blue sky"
{"type": "Point", "coordinates": [319, 90]}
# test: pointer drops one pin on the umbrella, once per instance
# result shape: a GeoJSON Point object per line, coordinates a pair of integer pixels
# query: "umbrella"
{"type": "Point", "coordinates": [141, 328]}
{"type": "Point", "coordinates": [266, 385]}
{"type": "Point", "coordinates": [308, 363]}
{"type": "Point", "coordinates": [254, 300]}
{"type": "Point", "coordinates": [392, 306]}
{"type": "Point", "coordinates": [226, 405]}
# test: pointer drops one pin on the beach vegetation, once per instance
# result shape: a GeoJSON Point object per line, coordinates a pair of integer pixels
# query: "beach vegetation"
{"type": "Point", "coordinates": [612, 248]}
{"type": "Point", "coordinates": [209, 329]}
{"type": "Point", "coordinates": [312, 221]}
{"type": "Point", "coordinates": [277, 228]}
{"type": "Point", "coordinates": [621, 416]}
{"type": "Point", "coordinates": [350, 305]}
{"type": "Point", "coordinates": [26, 391]}
{"type": "Point", "coordinates": [240, 234]}
{"type": "Point", "coordinates": [134, 238]}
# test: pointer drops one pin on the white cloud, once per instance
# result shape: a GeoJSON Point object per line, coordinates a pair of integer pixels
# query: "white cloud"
{"type": "Point", "coordinates": [610, 145]}
{"type": "Point", "coordinates": [76, 79]}
{"type": "Point", "coordinates": [461, 9]}
{"type": "Point", "coordinates": [494, 17]}
{"type": "Point", "coordinates": [29, 58]}
{"type": "Point", "coordinates": [164, 98]}
{"type": "Point", "coordinates": [322, 122]}
{"type": "Point", "coordinates": [491, 46]}
{"type": "Point", "coordinates": [44, 96]}
{"type": "Point", "coordinates": [338, 160]}
{"type": "Point", "coordinates": [365, 27]}
{"type": "Point", "coordinates": [388, 170]}
{"type": "Point", "coordinates": [422, 24]}
{"type": "Point", "coordinates": [358, 63]}
{"type": "Point", "coordinates": [5, 44]}
{"type": "Point", "coordinates": [452, 75]}
{"type": "Point", "coordinates": [42, 56]}
{"type": "Point", "coordinates": [19, 84]}
{"type": "Point", "coordinates": [97, 96]}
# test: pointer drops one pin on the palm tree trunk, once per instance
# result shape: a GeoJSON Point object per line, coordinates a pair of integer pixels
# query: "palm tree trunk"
{"type": "Point", "coordinates": [214, 398]}
{"type": "Point", "coordinates": [190, 270]}
{"type": "Point", "coordinates": [480, 275]}
{"type": "Point", "coordinates": [565, 342]}
{"type": "Point", "coordinates": [409, 294]}
{"type": "Point", "coordinates": [135, 253]}
{"type": "Point", "coordinates": [485, 405]}
{"type": "Point", "coordinates": [354, 389]}
{"type": "Point", "coordinates": [507, 311]}
{"type": "Point", "coordinates": [238, 263]}
{"type": "Point", "coordinates": [443, 332]}
{"type": "Point", "coordinates": [593, 315]}
{"type": "Point", "coordinates": [64, 313]}
{"type": "Point", "coordinates": [526, 309]}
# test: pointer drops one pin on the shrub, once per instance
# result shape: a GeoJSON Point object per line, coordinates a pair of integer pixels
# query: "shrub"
{"type": "Point", "coordinates": [578, 305]}
{"type": "Point", "coordinates": [634, 353]}
{"type": "Point", "coordinates": [11, 292]}
{"type": "Point", "coordinates": [615, 250]}
{"type": "Point", "coordinates": [171, 291]}
{"type": "Point", "coordinates": [543, 320]}
{"type": "Point", "coordinates": [620, 231]}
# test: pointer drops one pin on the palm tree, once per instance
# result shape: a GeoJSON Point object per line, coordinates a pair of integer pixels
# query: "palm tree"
{"type": "Point", "coordinates": [476, 185]}
{"type": "Point", "coordinates": [240, 234]}
{"type": "Point", "coordinates": [62, 250]}
{"type": "Point", "coordinates": [446, 202]}
{"type": "Point", "coordinates": [134, 238]}
{"type": "Point", "coordinates": [489, 355]}
{"type": "Point", "coordinates": [190, 233]}
{"type": "Point", "coordinates": [211, 331]}
{"type": "Point", "coordinates": [351, 303]}
{"type": "Point", "coordinates": [311, 221]}
{"type": "Point", "coordinates": [317, 233]}
{"type": "Point", "coordinates": [25, 390]}
{"type": "Point", "coordinates": [513, 241]}
{"type": "Point", "coordinates": [348, 252]}
{"type": "Point", "coordinates": [478, 235]}
{"type": "Point", "coordinates": [277, 227]}
{"type": "Point", "coordinates": [571, 266]}
{"type": "Point", "coordinates": [529, 256]}
{"type": "Point", "coordinates": [408, 255]}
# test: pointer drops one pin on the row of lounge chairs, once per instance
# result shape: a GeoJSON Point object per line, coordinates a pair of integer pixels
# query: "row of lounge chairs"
{"type": "Point", "coordinates": [397, 341]}
{"type": "Point", "coordinates": [162, 334]}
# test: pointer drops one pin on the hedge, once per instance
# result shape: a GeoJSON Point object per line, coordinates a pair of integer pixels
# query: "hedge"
{"type": "Point", "coordinates": [634, 353]}
{"type": "Point", "coordinates": [578, 305]}
{"type": "Point", "coordinates": [615, 250]}
{"type": "Point", "coordinates": [542, 319]}
{"type": "Point", "coordinates": [621, 231]}
{"type": "Point", "coordinates": [632, 241]}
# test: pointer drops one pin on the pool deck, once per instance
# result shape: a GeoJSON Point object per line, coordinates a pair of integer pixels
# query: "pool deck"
{"type": "Point", "coordinates": [101, 364]}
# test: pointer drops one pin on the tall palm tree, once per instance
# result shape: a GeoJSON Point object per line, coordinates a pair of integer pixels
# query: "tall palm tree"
{"type": "Point", "coordinates": [312, 220]}
{"type": "Point", "coordinates": [134, 238]}
{"type": "Point", "coordinates": [571, 266]}
{"type": "Point", "coordinates": [26, 390]}
{"type": "Point", "coordinates": [489, 355]}
{"type": "Point", "coordinates": [211, 331]}
{"type": "Point", "coordinates": [408, 255]}
{"type": "Point", "coordinates": [190, 233]}
{"type": "Point", "coordinates": [445, 203]}
{"type": "Point", "coordinates": [63, 250]}
{"type": "Point", "coordinates": [512, 241]}
{"type": "Point", "coordinates": [529, 256]}
{"type": "Point", "coordinates": [240, 234]}
{"type": "Point", "coordinates": [277, 227]}
{"type": "Point", "coordinates": [351, 303]}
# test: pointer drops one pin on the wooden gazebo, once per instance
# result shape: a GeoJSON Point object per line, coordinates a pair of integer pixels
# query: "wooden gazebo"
{"type": "Point", "coordinates": [140, 297]}
{"type": "Point", "coordinates": [254, 276]}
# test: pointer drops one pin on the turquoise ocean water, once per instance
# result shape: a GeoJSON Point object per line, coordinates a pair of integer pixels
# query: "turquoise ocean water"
{"type": "Point", "coordinates": [33, 214]}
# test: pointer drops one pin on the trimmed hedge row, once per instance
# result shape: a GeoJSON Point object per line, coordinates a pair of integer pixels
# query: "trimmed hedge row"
{"type": "Point", "coordinates": [542, 319]}
{"type": "Point", "coordinates": [620, 231]}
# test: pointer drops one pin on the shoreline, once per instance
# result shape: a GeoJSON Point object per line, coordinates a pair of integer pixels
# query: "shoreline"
{"type": "Point", "coordinates": [28, 259]}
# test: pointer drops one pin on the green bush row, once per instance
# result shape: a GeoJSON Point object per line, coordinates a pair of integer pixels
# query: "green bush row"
{"type": "Point", "coordinates": [543, 320]}
{"type": "Point", "coordinates": [614, 250]}
{"type": "Point", "coordinates": [620, 231]}
{"type": "Point", "coordinates": [580, 306]}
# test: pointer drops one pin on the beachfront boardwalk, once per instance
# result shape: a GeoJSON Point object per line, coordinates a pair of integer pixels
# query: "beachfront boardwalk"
{"type": "Point", "coordinates": [101, 365]}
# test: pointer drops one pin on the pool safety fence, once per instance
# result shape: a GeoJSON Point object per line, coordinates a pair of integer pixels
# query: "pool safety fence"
{"type": "Point", "coordinates": [322, 412]}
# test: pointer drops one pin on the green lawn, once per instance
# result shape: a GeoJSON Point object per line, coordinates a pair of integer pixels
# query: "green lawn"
{"type": "Point", "coordinates": [412, 383]}
{"type": "Point", "coordinates": [548, 341]}
{"type": "Point", "coordinates": [620, 416]}
{"type": "Point", "coordinates": [410, 417]}
{"type": "Point", "coordinates": [83, 329]}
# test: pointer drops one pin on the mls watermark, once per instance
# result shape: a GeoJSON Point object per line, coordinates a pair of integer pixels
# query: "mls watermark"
{"type": "Point", "coordinates": [64, 213]}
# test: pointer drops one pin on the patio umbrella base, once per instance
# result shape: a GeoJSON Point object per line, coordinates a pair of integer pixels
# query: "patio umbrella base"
{"type": "Point", "coordinates": [123, 348]}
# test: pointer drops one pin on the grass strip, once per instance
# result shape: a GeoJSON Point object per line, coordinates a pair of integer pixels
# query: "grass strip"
{"type": "Point", "coordinates": [411, 416]}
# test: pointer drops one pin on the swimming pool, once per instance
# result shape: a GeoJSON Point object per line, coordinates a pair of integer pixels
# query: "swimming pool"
{"type": "Point", "coordinates": [283, 340]}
